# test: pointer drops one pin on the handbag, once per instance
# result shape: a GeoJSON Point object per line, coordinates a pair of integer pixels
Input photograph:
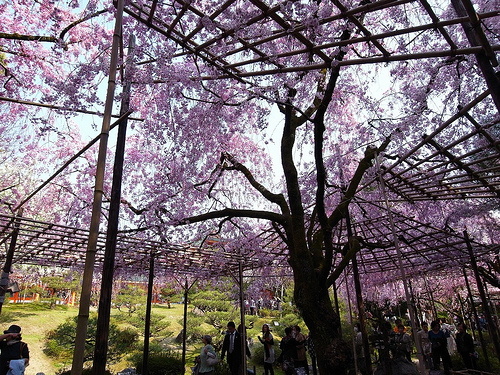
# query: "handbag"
{"type": "Point", "coordinates": [212, 359]}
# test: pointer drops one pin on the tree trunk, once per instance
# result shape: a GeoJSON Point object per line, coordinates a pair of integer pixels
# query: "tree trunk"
{"type": "Point", "coordinates": [313, 300]}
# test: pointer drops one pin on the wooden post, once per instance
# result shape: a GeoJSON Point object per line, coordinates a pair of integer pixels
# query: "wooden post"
{"type": "Point", "coordinates": [242, 315]}
{"type": "Point", "coordinates": [4, 281]}
{"type": "Point", "coordinates": [147, 323]}
{"type": "Point", "coordinates": [349, 306]}
{"type": "Point", "coordinates": [414, 305]}
{"type": "Point", "coordinates": [476, 319]}
{"type": "Point", "coordinates": [480, 288]}
{"type": "Point", "coordinates": [337, 305]}
{"type": "Point", "coordinates": [359, 301]}
{"type": "Point", "coordinates": [184, 322]}
{"type": "Point", "coordinates": [184, 325]}
{"type": "Point", "coordinates": [486, 58]}
{"type": "Point", "coordinates": [431, 296]}
{"type": "Point", "coordinates": [104, 310]}
{"type": "Point", "coordinates": [83, 315]}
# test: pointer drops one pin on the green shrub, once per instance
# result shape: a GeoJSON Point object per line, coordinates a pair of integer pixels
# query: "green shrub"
{"type": "Point", "coordinates": [44, 305]}
{"type": "Point", "coordinates": [288, 320]}
{"type": "Point", "coordinates": [265, 313]}
{"type": "Point", "coordinates": [222, 369]}
{"type": "Point", "coordinates": [165, 363]}
{"type": "Point", "coordinates": [258, 354]}
{"type": "Point", "coordinates": [59, 343]}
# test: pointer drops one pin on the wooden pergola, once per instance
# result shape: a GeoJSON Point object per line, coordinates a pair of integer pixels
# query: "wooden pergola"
{"type": "Point", "coordinates": [52, 245]}
{"type": "Point", "coordinates": [48, 244]}
{"type": "Point", "coordinates": [443, 166]}
{"type": "Point", "coordinates": [253, 54]}
{"type": "Point", "coordinates": [440, 167]}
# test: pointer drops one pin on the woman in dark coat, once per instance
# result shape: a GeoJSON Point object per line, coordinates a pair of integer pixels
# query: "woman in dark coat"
{"type": "Point", "coordinates": [465, 347]}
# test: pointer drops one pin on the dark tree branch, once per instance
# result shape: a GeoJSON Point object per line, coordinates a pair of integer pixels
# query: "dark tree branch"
{"type": "Point", "coordinates": [29, 38]}
{"type": "Point", "coordinates": [135, 210]}
{"type": "Point", "coordinates": [51, 39]}
{"type": "Point", "coordinates": [489, 277]}
{"type": "Point", "coordinates": [81, 20]}
{"type": "Point", "coordinates": [280, 232]}
{"type": "Point", "coordinates": [321, 178]}
{"type": "Point", "coordinates": [354, 247]}
{"type": "Point", "coordinates": [278, 199]}
{"type": "Point", "coordinates": [231, 212]}
{"type": "Point", "coordinates": [365, 163]}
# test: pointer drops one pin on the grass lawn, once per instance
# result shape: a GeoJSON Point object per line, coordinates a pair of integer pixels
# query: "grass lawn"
{"type": "Point", "coordinates": [35, 323]}
{"type": "Point", "coordinates": [37, 320]}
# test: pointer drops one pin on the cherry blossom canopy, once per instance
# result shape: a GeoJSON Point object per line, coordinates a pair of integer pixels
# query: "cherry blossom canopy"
{"type": "Point", "coordinates": [236, 40]}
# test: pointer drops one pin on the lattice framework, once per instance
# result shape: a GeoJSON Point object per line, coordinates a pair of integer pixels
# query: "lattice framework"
{"type": "Point", "coordinates": [438, 168]}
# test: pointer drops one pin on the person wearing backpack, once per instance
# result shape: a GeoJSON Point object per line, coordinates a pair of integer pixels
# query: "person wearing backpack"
{"type": "Point", "coordinates": [14, 353]}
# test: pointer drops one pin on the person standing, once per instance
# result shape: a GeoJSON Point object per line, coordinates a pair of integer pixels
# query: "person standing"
{"type": "Point", "coordinates": [288, 346]}
{"type": "Point", "coordinates": [206, 351]}
{"type": "Point", "coordinates": [439, 350]}
{"type": "Point", "coordinates": [14, 353]}
{"type": "Point", "coordinates": [312, 354]}
{"type": "Point", "coordinates": [253, 307]}
{"type": "Point", "coordinates": [403, 344]}
{"type": "Point", "coordinates": [397, 323]}
{"type": "Point", "coordinates": [360, 350]}
{"type": "Point", "coordinates": [268, 341]}
{"type": "Point", "coordinates": [301, 360]}
{"type": "Point", "coordinates": [233, 346]}
{"type": "Point", "coordinates": [450, 330]}
{"type": "Point", "coordinates": [425, 344]}
{"type": "Point", "coordinates": [465, 347]}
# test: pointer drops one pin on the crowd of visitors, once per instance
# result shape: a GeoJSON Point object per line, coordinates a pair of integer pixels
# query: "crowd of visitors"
{"type": "Point", "coordinates": [292, 358]}
{"type": "Point", "coordinates": [293, 347]}
{"type": "Point", "coordinates": [435, 342]}
{"type": "Point", "coordinates": [435, 345]}
{"type": "Point", "coordinates": [253, 306]}
{"type": "Point", "coordinates": [394, 343]}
